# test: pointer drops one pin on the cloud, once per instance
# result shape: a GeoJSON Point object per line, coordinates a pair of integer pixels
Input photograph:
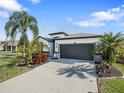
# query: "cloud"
{"type": "Point", "coordinates": [122, 5]}
{"type": "Point", "coordinates": [101, 18]}
{"type": "Point", "coordinates": [10, 5]}
{"type": "Point", "coordinates": [89, 24]}
{"type": "Point", "coordinates": [7, 6]}
{"type": "Point", "coordinates": [116, 9]}
{"type": "Point", "coordinates": [113, 14]}
{"type": "Point", "coordinates": [4, 14]}
{"type": "Point", "coordinates": [35, 1]}
{"type": "Point", "coordinates": [68, 19]}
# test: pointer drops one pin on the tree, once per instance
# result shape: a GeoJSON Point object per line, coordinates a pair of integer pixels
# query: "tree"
{"type": "Point", "coordinates": [21, 22]}
{"type": "Point", "coordinates": [36, 46]}
{"type": "Point", "coordinates": [109, 45]}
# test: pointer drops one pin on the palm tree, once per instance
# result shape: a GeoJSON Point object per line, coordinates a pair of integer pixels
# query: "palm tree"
{"type": "Point", "coordinates": [110, 44]}
{"type": "Point", "coordinates": [21, 22]}
{"type": "Point", "coordinates": [36, 46]}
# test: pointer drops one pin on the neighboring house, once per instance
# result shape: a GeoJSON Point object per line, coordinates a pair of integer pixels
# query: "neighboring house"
{"type": "Point", "coordinates": [1, 45]}
{"type": "Point", "coordinates": [74, 46]}
{"type": "Point", "coordinates": [9, 45]}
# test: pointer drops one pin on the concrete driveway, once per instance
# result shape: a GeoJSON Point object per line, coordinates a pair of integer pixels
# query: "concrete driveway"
{"type": "Point", "coordinates": [56, 76]}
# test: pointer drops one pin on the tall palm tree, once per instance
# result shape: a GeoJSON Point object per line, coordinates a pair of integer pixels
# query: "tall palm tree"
{"type": "Point", "coordinates": [21, 22]}
{"type": "Point", "coordinates": [109, 45]}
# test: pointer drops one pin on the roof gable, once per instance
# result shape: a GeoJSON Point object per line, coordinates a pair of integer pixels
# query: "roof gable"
{"type": "Point", "coordinates": [56, 33]}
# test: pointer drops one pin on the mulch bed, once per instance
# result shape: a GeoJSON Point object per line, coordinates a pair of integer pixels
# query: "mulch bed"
{"type": "Point", "coordinates": [37, 60]}
{"type": "Point", "coordinates": [112, 73]}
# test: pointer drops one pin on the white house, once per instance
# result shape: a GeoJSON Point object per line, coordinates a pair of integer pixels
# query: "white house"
{"type": "Point", "coordinates": [9, 45]}
{"type": "Point", "coordinates": [1, 45]}
{"type": "Point", "coordinates": [74, 46]}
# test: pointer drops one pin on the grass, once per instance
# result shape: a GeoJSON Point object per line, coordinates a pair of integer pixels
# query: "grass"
{"type": "Point", "coordinates": [8, 53]}
{"type": "Point", "coordinates": [8, 68]}
{"type": "Point", "coordinates": [112, 86]}
{"type": "Point", "coordinates": [119, 66]}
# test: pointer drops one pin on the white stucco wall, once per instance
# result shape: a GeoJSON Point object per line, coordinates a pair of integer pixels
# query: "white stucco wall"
{"type": "Point", "coordinates": [1, 47]}
{"type": "Point", "coordinates": [44, 41]}
{"type": "Point", "coordinates": [50, 46]}
{"type": "Point", "coordinates": [73, 41]}
{"type": "Point", "coordinates": [82, 40]}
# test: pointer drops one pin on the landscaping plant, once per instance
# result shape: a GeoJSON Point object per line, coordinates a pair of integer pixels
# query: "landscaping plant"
{"type": "Point", "coordinates": [109, 45]}
{"type": "Point", "coordinates": [21, 22]}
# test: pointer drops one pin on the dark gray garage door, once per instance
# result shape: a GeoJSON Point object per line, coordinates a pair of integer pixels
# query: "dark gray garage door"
{"type": "Point", "coordinates": [77, 51]}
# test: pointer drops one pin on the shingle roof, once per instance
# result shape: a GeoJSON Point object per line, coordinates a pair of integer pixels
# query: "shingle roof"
{"type": "Point", "coordinates": [59, 33]}
{"type": "Point", "coordinates": [79, 35]}
{"type": "Point", "coordinates": [10, 42]}
{"type": "Point", "coordinates": [71, 36]}
{"type": "Point", "coordinates": [48, 39]}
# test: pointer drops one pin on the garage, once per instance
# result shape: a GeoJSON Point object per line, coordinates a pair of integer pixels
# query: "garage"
{"type": "Point", "coordinates": [77, 51]}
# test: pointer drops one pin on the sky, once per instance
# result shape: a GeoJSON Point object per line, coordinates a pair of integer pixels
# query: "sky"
{"type": "Point", "coordinates": [70, 16]}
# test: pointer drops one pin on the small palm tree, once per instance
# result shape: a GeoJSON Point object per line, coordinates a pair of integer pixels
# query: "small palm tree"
{"type": "Point", "coordinates": [109, 45]}
{"type": "Point", "coordinates": [36, 46]}
{"type": "Point", "coordinates": [21, 22]}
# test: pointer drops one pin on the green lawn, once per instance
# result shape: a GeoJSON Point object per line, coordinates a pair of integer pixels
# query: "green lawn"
{"type": "Point", "coordinates": [8, 68]}
{"type": "Point", "coordinates": [119, 66]}
{"type": "Point", "coordinates": [6, 52]}
{"type": "Point", "coordinates": [112, 86]}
